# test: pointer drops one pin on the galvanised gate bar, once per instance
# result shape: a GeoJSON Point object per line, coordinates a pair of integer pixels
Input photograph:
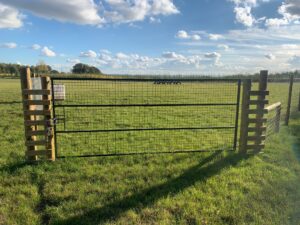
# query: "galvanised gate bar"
{"type": "Point", "coordinates": [102, 117]}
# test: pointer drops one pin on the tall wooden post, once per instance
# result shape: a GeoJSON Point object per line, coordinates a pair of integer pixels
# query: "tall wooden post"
{"type": "Point", "coordinates": [299, 103]}
{"type": "Point", "coordinates": [244, 115]}
{"type": "Point", "coordinates": [46, 85]}
{"type": "Point", "coordinates": [262, 87]}
{"type": "Point", "coordinates": [26, 84]}
{"type": "Point", "coordinates": [288, 110]}
{"type": "Point", "coordinates": [38, 133]}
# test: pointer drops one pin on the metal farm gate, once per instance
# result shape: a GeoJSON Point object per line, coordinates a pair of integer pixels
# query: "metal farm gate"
{"type": "Point", "coordinates": [100, 117]}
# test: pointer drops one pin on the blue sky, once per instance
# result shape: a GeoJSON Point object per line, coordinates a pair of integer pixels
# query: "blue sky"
{"type": "Point", "coordinates": [153, 36]}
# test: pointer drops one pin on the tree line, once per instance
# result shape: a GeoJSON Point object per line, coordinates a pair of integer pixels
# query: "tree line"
{"type": "Point", "coordinates": [13, 69]}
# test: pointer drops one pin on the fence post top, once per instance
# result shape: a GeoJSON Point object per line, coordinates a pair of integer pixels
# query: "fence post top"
{"type": "Point", "coordinates": [264, 72]}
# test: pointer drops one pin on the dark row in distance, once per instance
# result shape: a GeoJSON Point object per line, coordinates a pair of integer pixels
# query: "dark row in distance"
{"type": "Point", "coordinates": [84, 70]}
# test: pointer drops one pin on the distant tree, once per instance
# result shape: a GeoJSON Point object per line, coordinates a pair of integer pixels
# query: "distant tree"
{"type": "Point", "coordinates": [13, 70]}
{"type": "Point", "coordinates": [54, 72]}
{"type": "Point", "coordinates": [81, 68]}
{"type": "Point", "coordinates": [42, 67]}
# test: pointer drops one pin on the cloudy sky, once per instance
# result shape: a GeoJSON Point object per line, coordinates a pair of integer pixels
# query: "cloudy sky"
{"type": "Point", "coordinates": [153, 36]}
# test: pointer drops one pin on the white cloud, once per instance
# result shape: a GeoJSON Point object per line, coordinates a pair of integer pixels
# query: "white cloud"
{"type": "Point", "coordinates": [154, 20]}
{"type": "Point", "coordinates": [290, 12]}
{"type": "Point", "coordinates": [295, 62]}
{"type": "Point", "coordinates": [83, 12]}
{"type": "Point", "coordinates": [35, 47]}
{"type": "Point", "coordinates": [182, 34]}
{"type": "Point", "coordinates": [164, 7]}
{"type": "Point", "coordinates": [276, 22]}
{"type": "Point", "coordinates": [105, 57]}
{"type": "Point", "coordinates": [172, 55]}
{"type": "Point", "coordinates": [224, 47]}
{"type": "Point", "coordinates": [10, 17]}
{"type": "Point", "coordinates": [243, 12]}
{"type": "Point", "coordinates": [215, 56]}
{"type": "Point", "coordinates": [292, 7]}
{"type": "Point", "coordinates": [195, 37]}
{"type": "Point", "coordinates": [88, 54]}
{"type": "Point", "coordinates": [244, 16]}
{"type": "Point", "coordinates": [121, 55]}
{"type": "Point", "coordinates": [245, 2]}
{"type": "Point", "coordinates": [9, 45]}
{"type": "Point", "coordinates": [120, 11]}
{"type": "Point", "coordinates": [47, 52]}
{"type": "Point", "coordinates": [105, 51]}
{"type": "Point", "coordinates": [215, 37]}
{"type": "Point", "coordinates": [75, 11]}
{"type": "Point", "coordinates": [270, 56]}
{"type": "Point", "coordinates": [73, 61]}
{"type": "Point", "coordinates": [212, 55]}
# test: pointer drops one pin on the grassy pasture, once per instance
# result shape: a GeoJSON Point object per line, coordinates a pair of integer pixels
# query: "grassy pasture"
{"type": "Point", "coordinates": [205, 188]}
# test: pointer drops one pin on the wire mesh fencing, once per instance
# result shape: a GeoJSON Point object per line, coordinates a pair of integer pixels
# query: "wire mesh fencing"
{"type": "Point", "coordinates": [279, 92]}
{"type": "Point", "coordinates": [129, 116]}
{"type": "Point", "coordinates": [273, 118]}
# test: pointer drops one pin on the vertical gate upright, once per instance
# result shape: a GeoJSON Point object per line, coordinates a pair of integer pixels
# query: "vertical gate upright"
{"type": "Point", "coordinates": [101, 117]}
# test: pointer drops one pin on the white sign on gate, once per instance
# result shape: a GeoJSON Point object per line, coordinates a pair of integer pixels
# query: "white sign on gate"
{"type": "Point", "coordinates": [59, 92]}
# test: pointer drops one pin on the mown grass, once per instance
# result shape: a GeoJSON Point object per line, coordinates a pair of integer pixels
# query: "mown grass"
{"type": "Point", "coordinates": [205, 188]}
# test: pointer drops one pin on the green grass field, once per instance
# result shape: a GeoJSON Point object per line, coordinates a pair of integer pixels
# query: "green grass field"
{"type": "Point", "coordinates": [197, 188]}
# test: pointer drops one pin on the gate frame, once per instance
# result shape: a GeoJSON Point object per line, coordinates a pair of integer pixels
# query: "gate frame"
{"type": "Point", "coordinates": [235, 126]}
{"type": "Point", "coordinates": [48, 103]}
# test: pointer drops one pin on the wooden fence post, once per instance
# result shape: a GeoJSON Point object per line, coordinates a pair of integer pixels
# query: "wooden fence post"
{"type": "Point", "coordinates": [244, 115]}
{"type": "Point", "coordinates": [38, 133]}
{"type": "Point", "coordinates": [288, 110]}
{"type": "Point", "coordinates": [262, 86]}
{"type": "Point", "coordinates": [26, 84]}
{"type": "Point", "coordinates": [253, 116]}
{"type": "Point", "coordinates": [46, 85]}
{"type": "Point", "coordinates": [299, 103]}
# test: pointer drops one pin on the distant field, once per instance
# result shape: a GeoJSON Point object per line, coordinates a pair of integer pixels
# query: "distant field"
{"type": "Point", "coordinates": [206, 188]}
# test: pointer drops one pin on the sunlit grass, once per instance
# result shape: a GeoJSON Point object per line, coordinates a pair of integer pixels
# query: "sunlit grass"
{"type": "Point", "coordinates": [206, 188]}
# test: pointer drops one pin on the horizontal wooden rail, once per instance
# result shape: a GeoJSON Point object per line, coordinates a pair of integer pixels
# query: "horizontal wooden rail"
{"type": "Point", "coordinates": [38, 152]}
{"type": "Point", "coordinates": [255, 129]}
{"type": "Point", "coordinates": [259, 93]}
{"type": "Point", "coordinates": [255, 138]}
{"type": "Point", "coordinates": [258, 102]}
{"type": "Point", "coordinates": [37, 102]}
{"type": "Point", "coordinates": [36, 132]}
{"type": "Point", "coordinates": [257, 111]}
{"type": "Point", "coordinates": [36, 92]}
{"type": "Point", "coordinates": [35, 122]}
{"type": "Point", "coordinates": [37, 112]}
{"type": "Point", "coordinates": [35, 143]}
{"type": "Point", "coordinates": [273, 107]}
{"type": "Point", "coordinates": [255, 147]}
{"type": "Point", "coordinates": [257, 120]}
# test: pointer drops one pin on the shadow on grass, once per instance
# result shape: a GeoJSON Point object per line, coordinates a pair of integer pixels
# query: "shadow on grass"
{"type": "Point", "coordinates": [11, 102]}
{"type": "Point", "coordinates": [13, 167]}
{"type": "Point", "coordinates": [295, 128]}
{"type": "Point", "coordinates": [149, 196]}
